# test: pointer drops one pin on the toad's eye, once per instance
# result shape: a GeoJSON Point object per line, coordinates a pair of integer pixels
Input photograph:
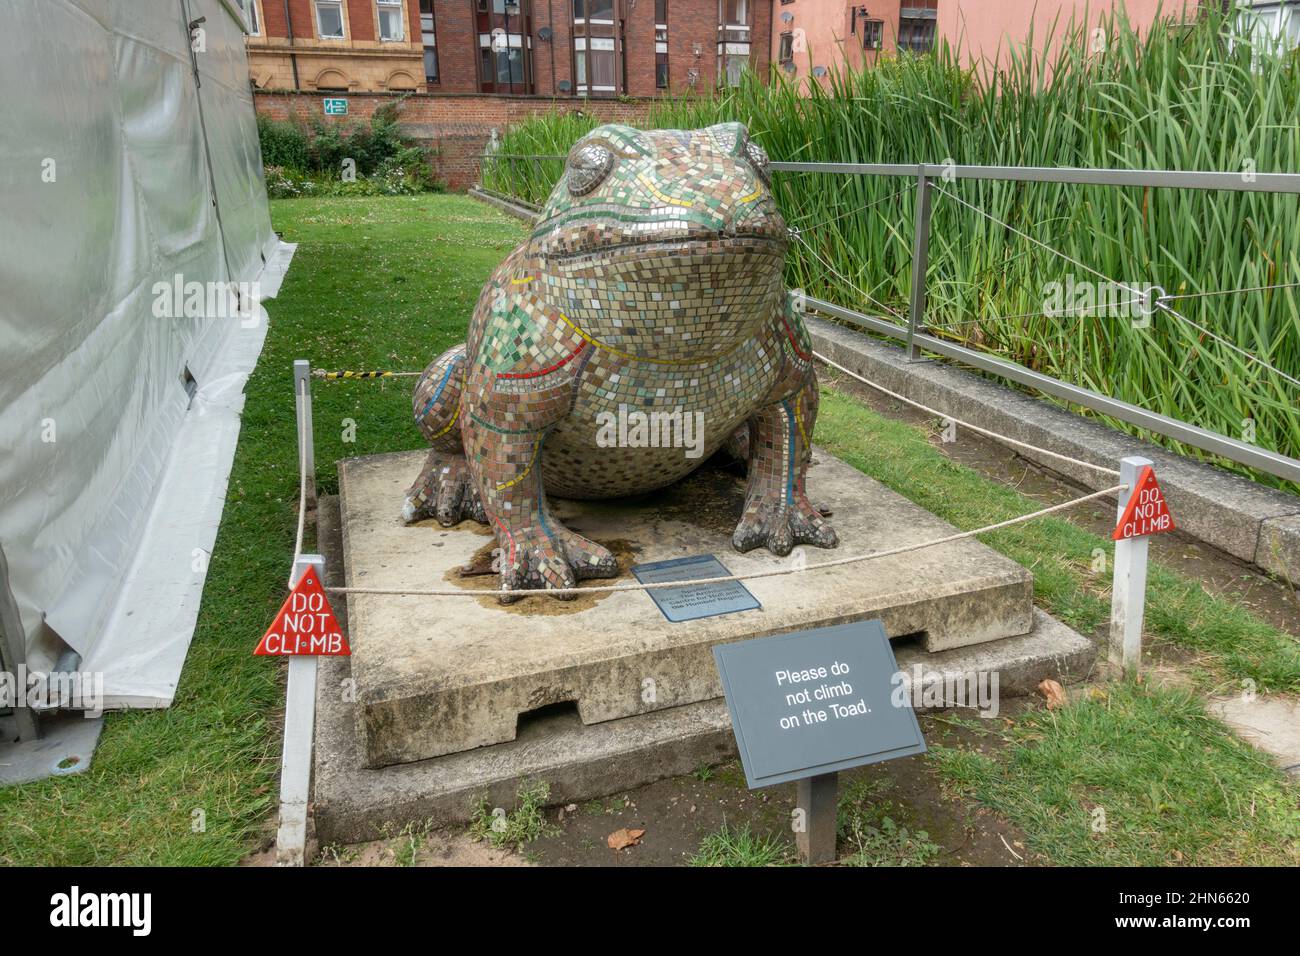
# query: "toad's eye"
{"type": "Point", "coordinates": [588, 166]}
{"type": "Point", "coordinates": [758, 159]}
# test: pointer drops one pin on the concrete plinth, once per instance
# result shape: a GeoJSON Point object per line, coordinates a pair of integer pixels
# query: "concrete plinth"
{"type": "Point", "coordinates": [579, 762]}
{"type": "Point", "coordinates": [440, 675]}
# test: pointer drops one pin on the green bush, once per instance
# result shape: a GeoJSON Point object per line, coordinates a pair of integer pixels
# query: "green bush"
{"type": "Point", "coordinates": [283, 143]}
{"type": "Point", "coordinates": [307, 158]}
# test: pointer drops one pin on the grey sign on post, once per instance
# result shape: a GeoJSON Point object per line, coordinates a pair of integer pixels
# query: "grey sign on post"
{"type": "Point", "coordinates": [815, 702]}
{"type": "Point", "coordinates": [694, 601]}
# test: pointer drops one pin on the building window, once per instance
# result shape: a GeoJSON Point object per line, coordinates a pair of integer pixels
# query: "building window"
{"type": "Point", "coordinates": [871, 31]}
{"type": "Point", "coordinates": [916, 29]}
{"type": "Point", "coordinates": [390, 19]}
{"type": "Point", "coordinates": [1270, 25]}
{"type": "Point", "coordinates": [249, 9]}
{"type": "Point", "coordinates": [597, 45]}
{"type": "Point", "coordinates": [661, 44]}
{"type": "Point", "coordinates": [733, 41]}
{"type": "Point", "coordinates": [428, 35]}
{"type": "Point", "coordinates": [786, 53]}
{"type": "Point", "coordinates": [594, 61]}
{"type": "Point", "coordinates": [329, 19]}
{"type": "Point", "coordinates": [505, 45]}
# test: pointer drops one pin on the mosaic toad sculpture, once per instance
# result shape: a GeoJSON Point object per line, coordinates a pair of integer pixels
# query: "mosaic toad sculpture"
{"type": "Point", "coordinates": [641, 326]}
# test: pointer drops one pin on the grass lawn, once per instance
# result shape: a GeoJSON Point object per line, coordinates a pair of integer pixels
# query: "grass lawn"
{"type": "Point", "coordinates": [388, 284]}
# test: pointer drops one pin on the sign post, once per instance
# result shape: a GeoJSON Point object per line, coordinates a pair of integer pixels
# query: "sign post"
{"type": "Point", "coordinates": [304, 628]}
{"type": "Point", "coordinates": [809, 704]}
{"type": "Point", "coordinates": [1142, 513]}
{"type": "Point", "coordinates": [818, 806]}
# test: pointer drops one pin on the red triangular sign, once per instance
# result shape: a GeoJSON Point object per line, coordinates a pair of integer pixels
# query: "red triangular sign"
{"type": "Point", "coordinates": [306, 624]}
{"type": "Point", "coordinates": [1147, 512]}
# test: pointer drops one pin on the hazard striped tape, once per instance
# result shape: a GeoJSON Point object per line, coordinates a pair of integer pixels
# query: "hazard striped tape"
{"type": "Point", "coordinates": [331, 376]}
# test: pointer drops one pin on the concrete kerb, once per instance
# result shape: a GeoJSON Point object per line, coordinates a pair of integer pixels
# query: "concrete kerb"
{"type": "Point", "coordinates": [505, 205]}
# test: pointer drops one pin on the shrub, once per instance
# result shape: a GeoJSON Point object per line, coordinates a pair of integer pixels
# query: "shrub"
{"type": "Point", "coordinates": [284, 144]}
{"type": "Point", "coordinates": [313, 152]}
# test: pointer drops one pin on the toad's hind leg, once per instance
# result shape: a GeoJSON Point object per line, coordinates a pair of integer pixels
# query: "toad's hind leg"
{"type": "Point", "coordinates": [777, 512]}
{"type": "Point", "coordinates": [444, 489]}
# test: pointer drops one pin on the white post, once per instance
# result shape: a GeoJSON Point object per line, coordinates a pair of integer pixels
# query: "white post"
{"type": "Point", "coordinates": [295, 760]}
{"type": "Point", "coordinates": [302, 406]}
{"type": "Point", "coordinates": [1129, 589]}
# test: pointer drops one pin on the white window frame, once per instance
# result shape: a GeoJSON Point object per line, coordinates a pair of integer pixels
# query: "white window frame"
{"type": "Point", "coordinates": [252, 16]}
{"type": "Point", "coordinates": [380, 6]}
{"type": "Point", "coordinates": [343, 19]}
{"type": "Point", "coordinates": [1273, 16]}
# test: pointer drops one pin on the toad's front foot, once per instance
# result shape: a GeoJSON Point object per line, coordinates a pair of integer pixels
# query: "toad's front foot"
{"type": "Point", "coordinates": [533, 558]}
{"type": "Point", "coordinates": [445, 490]}
{"type": "Point", "coordinates": [773, 523]}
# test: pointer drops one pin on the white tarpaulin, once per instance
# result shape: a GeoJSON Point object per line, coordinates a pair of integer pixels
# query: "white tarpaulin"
{"type": "Point", "coordinates": [128, 158]}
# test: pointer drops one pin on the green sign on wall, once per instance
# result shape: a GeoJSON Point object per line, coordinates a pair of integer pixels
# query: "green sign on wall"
{"type": "Point", "coordinates": [336, 106]}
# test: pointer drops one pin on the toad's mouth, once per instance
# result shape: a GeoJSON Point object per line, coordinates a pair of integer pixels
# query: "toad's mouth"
{"type": "Point", "coordinates": [627, 249]}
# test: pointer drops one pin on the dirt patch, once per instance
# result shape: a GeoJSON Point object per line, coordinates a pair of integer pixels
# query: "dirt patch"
{"type": "Point", "coordinates": [711, 497]}
{"type": "Point", "coordinates": [433, 848]}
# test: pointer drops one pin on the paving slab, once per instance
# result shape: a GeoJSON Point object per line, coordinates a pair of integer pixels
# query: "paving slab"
{"type": "Point", "coordinates": [439, 675]}
{"type": "Point", "coordinates": [1272, 724]}
{"type": "Point", "coordinates": [579, 762]}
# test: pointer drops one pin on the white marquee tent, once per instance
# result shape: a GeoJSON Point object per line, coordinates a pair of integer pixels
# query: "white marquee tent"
{"type": "Point", "coordinates": [128, 157]}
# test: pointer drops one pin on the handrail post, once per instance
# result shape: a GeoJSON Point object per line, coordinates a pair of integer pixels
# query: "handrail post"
{"type": "Point", "coordinates": [920, 261]}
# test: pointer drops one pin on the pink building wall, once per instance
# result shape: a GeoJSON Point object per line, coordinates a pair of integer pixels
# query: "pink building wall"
{"type": "Point", "coordinates": [984, 30]}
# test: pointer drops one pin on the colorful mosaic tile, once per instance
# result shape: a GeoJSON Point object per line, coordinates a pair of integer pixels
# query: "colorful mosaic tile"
{"type": "Point", "coordinates": [642, 326]}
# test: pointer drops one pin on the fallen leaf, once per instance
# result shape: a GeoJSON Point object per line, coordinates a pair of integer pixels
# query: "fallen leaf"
{"type": "Point", "coordinates": [620, 839]}
{"type": "Point", "coordinates": [1054, 693]}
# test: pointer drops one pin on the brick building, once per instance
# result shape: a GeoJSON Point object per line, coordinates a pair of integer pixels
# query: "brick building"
{"type": "Point", "coordinates": [812, 38]}
{"type": "Point", "coordinates": [561, 48]}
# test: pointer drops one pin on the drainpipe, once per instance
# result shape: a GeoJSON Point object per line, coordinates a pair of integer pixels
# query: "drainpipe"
{"type": "Point", "coordinates": [293, 57]}
{"type": "Point", "coordinates": [550, 22]}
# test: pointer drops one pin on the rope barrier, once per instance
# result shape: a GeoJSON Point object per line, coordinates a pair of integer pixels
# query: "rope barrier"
{"type": "Point", "coordinates": [729, 578]}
